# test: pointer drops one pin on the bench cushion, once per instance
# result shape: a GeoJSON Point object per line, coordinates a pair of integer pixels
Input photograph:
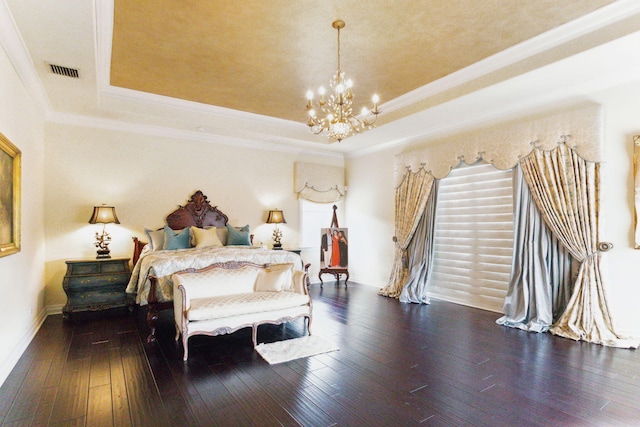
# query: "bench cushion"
{"type": "Point", "coordinates": [246, 303]}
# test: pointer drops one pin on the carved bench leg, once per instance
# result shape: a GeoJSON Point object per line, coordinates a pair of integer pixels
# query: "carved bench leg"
{"type": "Point", "coordinates": [254, 335]}
{"type": "Point", "coordinates": [306, 270]}
{"type": "Point", "coordinates": [185, 347]}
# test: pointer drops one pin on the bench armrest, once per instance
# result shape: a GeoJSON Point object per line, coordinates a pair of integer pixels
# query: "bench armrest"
{"type": "Point", "coordinates": [299, 282]}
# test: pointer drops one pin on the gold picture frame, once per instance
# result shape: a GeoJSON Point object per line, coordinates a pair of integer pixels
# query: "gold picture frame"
{"type": "Point", "coordinates": [10, 174]}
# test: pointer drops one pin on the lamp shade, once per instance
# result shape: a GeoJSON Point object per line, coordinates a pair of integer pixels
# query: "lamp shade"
{"type": "Point", "coordinates": [276, 217]}
{"type": "Point", "coordinates": [104, 215]}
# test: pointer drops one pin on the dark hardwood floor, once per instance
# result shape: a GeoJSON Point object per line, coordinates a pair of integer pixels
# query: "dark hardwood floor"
{"type": "Point", "coordinates": [441, 364]}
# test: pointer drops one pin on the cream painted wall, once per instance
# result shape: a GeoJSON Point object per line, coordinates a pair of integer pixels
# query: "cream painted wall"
{"type": "Point", "coordinates": [370, 201]}
{"type": "Point", "coordinates": [146, 178]}
{"type": "Point", "coordinates": [370, 213]}
{"type": "Point", "coordinates": [621, 265]}
{"type": "Point", "coordinates": [22, 274]}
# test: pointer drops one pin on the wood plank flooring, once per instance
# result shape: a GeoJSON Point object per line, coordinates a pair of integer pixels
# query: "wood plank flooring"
{"type": "Point", "coordinates": [432, 365]}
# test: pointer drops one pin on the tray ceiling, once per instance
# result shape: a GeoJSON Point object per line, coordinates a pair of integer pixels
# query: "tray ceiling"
{"type": "Point", "coordinates": [262, 57]}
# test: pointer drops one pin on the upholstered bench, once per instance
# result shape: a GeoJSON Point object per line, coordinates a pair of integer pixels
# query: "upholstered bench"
{"type": "Point", "coordinates": [223, 298]}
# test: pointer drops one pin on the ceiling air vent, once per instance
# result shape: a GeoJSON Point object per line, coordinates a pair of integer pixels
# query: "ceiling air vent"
{"type": "Point", "coordinates": [64, 71]}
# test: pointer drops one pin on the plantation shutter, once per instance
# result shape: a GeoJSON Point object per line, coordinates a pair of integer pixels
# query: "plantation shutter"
{"type": "Point", "coordinates": [473, 237]}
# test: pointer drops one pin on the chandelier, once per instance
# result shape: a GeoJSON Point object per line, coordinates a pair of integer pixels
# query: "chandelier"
{"type": "Point", "coordinates": [338, 121]}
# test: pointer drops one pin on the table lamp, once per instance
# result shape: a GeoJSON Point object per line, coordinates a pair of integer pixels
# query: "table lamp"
{"type": "Point", "coordinates": [103, 215]}
{"type": "Point", "coordinates": [276, 217]}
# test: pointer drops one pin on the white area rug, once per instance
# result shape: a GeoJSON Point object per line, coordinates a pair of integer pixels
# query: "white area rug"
{"type": "Point", "coordinates": [295, 348]}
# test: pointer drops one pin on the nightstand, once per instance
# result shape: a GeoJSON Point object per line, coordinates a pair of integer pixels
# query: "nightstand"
{"type": "Point", "coordinates": [96, 284]}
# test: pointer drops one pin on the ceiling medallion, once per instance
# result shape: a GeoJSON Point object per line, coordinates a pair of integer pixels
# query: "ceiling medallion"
{"type": "Point", "coordinates": [339, 122]}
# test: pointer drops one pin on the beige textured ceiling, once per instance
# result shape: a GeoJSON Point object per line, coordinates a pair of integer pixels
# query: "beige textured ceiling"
{"type": "Point", "coordinates": [262, 56]}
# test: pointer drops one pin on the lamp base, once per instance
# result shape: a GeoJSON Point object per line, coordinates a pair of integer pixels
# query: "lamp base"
{"type": "Point", "coordinates": [103, 253]}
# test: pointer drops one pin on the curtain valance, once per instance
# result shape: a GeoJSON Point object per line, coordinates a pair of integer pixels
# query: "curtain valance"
{"type": "Point", "coordinates": [319, 183]}
{"type": "Point", "coordinates": [503, 145]}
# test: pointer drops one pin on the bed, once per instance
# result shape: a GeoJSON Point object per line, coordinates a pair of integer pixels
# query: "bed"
{"type": "Point", "coordinates": [150, 282]}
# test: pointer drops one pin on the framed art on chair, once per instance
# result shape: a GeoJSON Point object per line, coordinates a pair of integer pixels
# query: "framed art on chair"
{"type": "Point", "coordinates": [334, 251]}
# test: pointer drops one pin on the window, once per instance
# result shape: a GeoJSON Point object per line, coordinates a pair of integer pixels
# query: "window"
{"type": "Point", "coordinates": [313, 217]}
{"type": "Point", "coordinates": [473, 241]}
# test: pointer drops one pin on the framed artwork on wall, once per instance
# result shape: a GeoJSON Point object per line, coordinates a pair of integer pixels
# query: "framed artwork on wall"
{"type": "Point", "coordinates": [10, 173]}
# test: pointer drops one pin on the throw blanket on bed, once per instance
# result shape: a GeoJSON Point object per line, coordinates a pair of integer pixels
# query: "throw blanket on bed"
{"type": "Point", "coordinates": [163, 264]}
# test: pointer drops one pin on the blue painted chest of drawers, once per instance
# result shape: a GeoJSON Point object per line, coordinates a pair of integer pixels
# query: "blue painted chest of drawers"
{"type": "Point", "coordinates": [96, 284]}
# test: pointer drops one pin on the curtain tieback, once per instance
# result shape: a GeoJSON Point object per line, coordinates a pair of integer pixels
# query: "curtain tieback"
{"type": "Point", "coordinates": [604, 246]}
{"type": "Point", "coordinates": [601, 247]}
{"type": "Point", "coordinates": [405, 255]}
{"type": "Point", "coordinates": [592, 255]}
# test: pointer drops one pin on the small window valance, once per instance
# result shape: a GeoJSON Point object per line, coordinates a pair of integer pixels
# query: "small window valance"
{"type": "Point", "coordinates": [319, 183]}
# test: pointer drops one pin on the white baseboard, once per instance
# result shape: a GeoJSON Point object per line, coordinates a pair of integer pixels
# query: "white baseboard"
{"type": "Point", "coordinates": [352, 279]}
{"type": "Point", "coordinates": [54, 309]}
{"type": "Point", "coordinates": [19, 349]}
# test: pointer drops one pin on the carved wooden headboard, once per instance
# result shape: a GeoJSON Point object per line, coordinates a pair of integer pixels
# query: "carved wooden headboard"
{"type": "Point", "coordinates": [196, 213]}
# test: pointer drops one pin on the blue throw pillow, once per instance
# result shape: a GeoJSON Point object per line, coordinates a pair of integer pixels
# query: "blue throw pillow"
{"type": "Point", "coordinates": [237, 236]}
{"type": "Point", "coordinates": [176, 239]}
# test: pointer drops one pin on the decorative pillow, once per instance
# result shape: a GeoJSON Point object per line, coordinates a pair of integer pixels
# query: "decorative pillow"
{"type": "Point", "coordinates": [275, 278]}
{"type": "Point", "coordinates": [238, 236]}
{"type": "Point", "coordinates": [205, 237]}
{"type": "Point", "coordinates": [176, 239]}
{"type": "Point", "coordinates": [155, 239]}
{"type": "Point", "coordinates": [222, 234]}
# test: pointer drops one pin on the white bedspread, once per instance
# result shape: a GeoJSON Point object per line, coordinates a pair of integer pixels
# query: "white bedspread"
{"type": "Point", "coordinates": [163, 264]}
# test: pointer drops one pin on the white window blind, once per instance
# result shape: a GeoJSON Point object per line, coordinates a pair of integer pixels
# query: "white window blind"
{"type": "Point", "coordinates": [473, 237]}
{"type": "Point", "coordinates": [313, 217]}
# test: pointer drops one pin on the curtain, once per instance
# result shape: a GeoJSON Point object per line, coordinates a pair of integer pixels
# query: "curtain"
{"type": "Point", "coordinates": [565, 189]}
{"type": "Point", "coordinates": [420, 254]}
{"type": "Point", "coordinates": [411, 200]}
{"type": "Point", "coordinates": [540, 282]}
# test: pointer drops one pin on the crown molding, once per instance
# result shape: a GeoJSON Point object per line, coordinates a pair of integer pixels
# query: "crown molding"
{"type": "Point", "coordinates": [103, 11]}
{"type": "Point", "coordinates": [285, 145]}
{"type": "Point", "coordinates": [14, 47]}
{"type": "Point", "coordinates": [144, 99]}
